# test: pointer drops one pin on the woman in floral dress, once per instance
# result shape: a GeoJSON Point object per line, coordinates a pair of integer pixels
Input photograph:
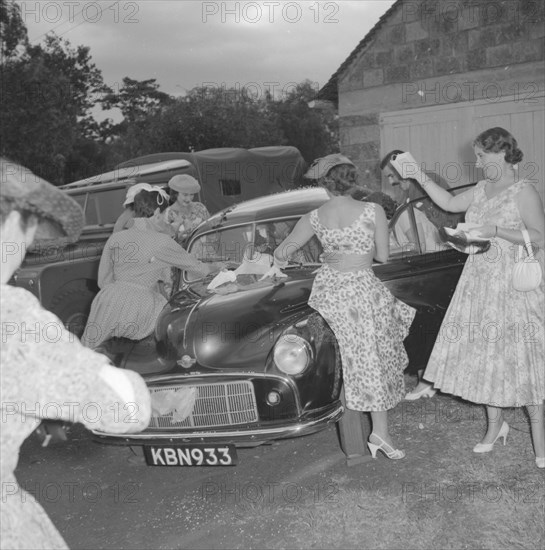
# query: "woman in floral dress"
{"type": "Point", "coordinates": [490, 348]}
{"type": "Point", "coordinates": [369, 323]}
{"type": "Point", "coordinates": [44, 370]}
{"type": "Point", "coordinates": [184, 214]}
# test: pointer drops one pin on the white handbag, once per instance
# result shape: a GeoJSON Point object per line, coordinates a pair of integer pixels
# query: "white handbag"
{"type": "Point", "coordinates": [527, 271]}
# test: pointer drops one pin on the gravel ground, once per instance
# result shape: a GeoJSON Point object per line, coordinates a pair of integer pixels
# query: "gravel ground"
{"type": "Point", "coordinates": [299, 493]}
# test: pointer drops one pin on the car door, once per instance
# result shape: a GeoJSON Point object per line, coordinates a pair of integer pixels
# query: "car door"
{"type": "Point", "coordinates": [423, 272]}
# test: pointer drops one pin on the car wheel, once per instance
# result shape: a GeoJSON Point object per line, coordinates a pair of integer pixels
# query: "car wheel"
{"type": "Point", "coordinates": [72, 308]}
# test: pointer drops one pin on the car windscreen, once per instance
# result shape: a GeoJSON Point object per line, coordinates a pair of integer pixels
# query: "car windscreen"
{"type": "Point", "coordinates": [251, 242]}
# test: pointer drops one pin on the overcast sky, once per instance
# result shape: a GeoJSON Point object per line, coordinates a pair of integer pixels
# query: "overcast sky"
{"type": "Point", "coordinates": [183, 44]}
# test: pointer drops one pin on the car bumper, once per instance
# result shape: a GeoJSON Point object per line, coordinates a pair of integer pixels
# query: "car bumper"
{"type": "Point", "coordinates": [240, 436]}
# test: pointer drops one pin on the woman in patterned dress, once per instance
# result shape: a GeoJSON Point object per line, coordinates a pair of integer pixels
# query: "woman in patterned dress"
{"type": "Point", "coordinates": [490, 347]}
{"type": "Point", "coordinates": [45, 373]}
{"type": "Point", "coordinates": [184, 214]}
{"type": "Point", "coordinates": [133, 263]}
{"type": "Point", "coordinates": [126, 218]}
{"type": "Point", "coordinates": [369, 323]}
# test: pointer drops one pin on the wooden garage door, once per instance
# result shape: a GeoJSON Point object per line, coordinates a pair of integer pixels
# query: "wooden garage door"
{"type": "Point", "coordinates": [441, 137]}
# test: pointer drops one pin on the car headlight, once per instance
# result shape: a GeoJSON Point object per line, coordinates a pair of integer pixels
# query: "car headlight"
{"type": "Point", "coordinates": [292, 354]}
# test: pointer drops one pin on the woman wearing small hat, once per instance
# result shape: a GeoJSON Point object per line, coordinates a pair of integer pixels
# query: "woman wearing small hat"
{"type": "Point", "coordinates": [126, 218]}
{"type": "Point", "coordinates": [133, 263]}
{"type": "Point", "coordinates": [184, 214]}
{"type": "Point", "coordinates": [45, 372]}
{"type": "Point", "coordinates": [369, 323]}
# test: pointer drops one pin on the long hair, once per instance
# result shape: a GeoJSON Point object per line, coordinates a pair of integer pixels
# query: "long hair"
{"type": "Point", "coordinates": [495, 140]}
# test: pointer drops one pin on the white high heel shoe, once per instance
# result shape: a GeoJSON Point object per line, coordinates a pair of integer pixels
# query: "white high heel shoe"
{"type": "Point", "coordinates": [390, 452]}
{"type": "Point", "coordinates": [428, 391]}
{"type": "Point", "coordinates": [487, 447]}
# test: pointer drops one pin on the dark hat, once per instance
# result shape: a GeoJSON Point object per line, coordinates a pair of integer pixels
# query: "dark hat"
{"type": "Point", "coordinates": [320, 167]}
{"type": "Point", "coordinates": [184, 183]}
{"type": "Point", "coordinates": [59, 216]}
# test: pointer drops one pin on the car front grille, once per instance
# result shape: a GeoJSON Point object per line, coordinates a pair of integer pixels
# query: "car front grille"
{"type": "Point", "coordinates": [216, 405]}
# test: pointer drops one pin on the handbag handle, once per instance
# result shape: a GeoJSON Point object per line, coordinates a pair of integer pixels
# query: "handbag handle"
{"type": "Point", "coordinates": [528, 245]}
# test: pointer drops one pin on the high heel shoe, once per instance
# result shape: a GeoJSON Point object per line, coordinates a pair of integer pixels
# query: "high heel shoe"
{"type": "Point", "coordinates": [487, 447]}
{"type": "Point", "coordinates": [428, 391]}
{"type": "Point", "coordinates": [394, 454]}
{"type": "Point", "coordinates": [540, 461]}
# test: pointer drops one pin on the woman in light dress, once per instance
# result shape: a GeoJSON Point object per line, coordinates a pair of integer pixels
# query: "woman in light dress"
{"type": "Point", "coordinates": [490, 348]}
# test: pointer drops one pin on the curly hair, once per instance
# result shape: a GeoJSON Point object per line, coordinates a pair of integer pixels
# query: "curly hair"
{"type": "Point", "coordinates": [495, 140]}
{"type": "Point", "coordinates": [340, 180]}
{"type": "Point", "coordinates": [145, 204]}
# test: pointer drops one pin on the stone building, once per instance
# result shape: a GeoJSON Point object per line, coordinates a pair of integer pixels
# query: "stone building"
{"type": "Point", "coordinates": [432, 74]}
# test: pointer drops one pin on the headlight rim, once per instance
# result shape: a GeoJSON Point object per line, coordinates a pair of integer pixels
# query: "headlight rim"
{"type": "Point", "coordinates": [293, 339]}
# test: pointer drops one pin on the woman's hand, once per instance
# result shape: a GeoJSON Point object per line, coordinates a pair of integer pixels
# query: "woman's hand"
{"type": "Point", "coordinates": [273, 273]}
{"type": "Point", "coordinates": [406, 166]}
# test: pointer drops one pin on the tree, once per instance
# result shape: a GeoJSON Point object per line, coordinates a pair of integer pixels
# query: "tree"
{"type": "Point", "coordinates": [224, 117]}
{"type": "Point", "coordinates": [205, 118]}
{"type": "Point", "coordinates": [136, 98]}
{"type": "Point", "coordinates": [47, 96]}
{"type": "Point", "coordinates": [314, 132]}
{"type": "Point", "coordinates": [13, 32]}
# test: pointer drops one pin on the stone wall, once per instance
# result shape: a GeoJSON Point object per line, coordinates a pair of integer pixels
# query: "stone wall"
{"type": "Point", "coordinates": [433, 52]}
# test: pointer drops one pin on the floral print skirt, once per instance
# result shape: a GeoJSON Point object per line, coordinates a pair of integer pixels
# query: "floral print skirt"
{"type": "Point", "coordinates": [370, 325]}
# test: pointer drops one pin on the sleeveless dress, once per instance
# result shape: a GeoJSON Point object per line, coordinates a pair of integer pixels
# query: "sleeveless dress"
{"type": "Point", "coordinates": [369, 323]}
{"type": "Point", "coordinates": [490, 347]}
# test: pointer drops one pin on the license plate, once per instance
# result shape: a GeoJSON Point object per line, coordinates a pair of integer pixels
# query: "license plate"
{"type": "Point", "coordinates": [191, 455]}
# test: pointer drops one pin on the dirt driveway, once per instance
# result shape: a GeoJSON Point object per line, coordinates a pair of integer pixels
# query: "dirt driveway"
{"type": "Point", "coordinates": [299, 493]}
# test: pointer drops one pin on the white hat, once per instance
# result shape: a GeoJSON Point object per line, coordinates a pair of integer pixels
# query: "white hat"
{"type": "Point", "coordinates": [134, 190]}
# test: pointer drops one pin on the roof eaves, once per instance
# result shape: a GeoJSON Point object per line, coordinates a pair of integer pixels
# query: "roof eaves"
{"type": "Point", "coordinates": [330, 90]}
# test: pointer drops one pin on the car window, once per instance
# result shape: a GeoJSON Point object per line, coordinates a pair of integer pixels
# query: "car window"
{"type": "Point", "coordinates": [415, 228]}
{"type": "Point", "coordinates": [101, 207]}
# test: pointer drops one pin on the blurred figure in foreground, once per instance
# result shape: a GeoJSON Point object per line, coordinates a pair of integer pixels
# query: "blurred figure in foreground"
{"type": "Point", "coordinates": [44, 370]}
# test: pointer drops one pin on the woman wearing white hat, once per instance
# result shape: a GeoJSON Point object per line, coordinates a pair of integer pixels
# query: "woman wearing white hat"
{"type": "Point", "coordinates": [132, 264]}
{"type": "Point", "coordinates": [125, 220]}
{"type": "Point", "coordinates": [184, 214]}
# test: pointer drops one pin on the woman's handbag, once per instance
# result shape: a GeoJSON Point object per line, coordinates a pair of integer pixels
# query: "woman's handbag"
{"type": "Point", "coordinates": [527, 271]}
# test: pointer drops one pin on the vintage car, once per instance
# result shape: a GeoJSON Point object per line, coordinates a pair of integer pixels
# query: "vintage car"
{"type": "Point", "coordinates": [257, 363]}
{"type": "Point", "coordinates": [64, 276]}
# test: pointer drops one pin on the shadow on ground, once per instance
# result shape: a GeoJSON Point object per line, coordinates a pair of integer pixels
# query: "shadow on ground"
{"type": "Point", "coordinates": [299, 493]}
